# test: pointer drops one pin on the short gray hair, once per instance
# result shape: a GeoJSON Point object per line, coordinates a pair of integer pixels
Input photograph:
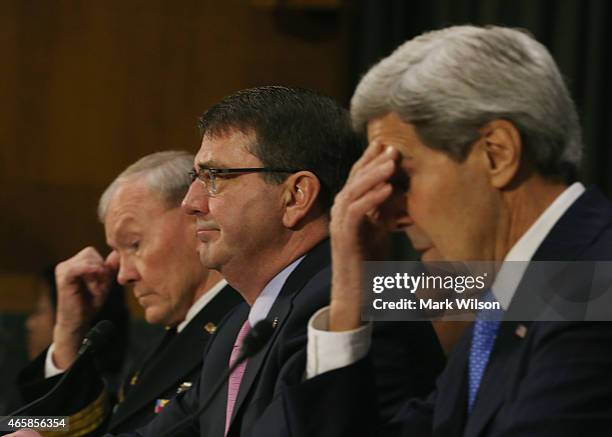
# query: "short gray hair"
{"type": "Point", "coordinates": [450, 82]}
{"type": "Point", "coordinates": [164, 173]}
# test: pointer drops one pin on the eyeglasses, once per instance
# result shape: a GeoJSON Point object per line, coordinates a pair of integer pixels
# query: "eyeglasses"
{"type": "Point", "coordinates": [208, 176]}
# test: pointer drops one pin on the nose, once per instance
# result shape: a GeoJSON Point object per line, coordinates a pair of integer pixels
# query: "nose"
{"type": "Point", "coordinates": [403, 220]}
{"type": "Point", "coordinates": [128, 273]}
{"type": "Point", "coordinates": [196, 199]}
{"type": "Point", "coordinates": [394, 212]}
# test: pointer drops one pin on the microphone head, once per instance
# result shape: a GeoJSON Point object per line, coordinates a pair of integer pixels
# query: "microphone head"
{"type": "Point", "coordinates": [257, 337]}
{"type": "Point", "coordinates": [98, 336]}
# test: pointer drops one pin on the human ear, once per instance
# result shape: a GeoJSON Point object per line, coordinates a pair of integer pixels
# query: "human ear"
{"type": "Point", "coordinates": [503, 147]}
{"type": "Point", "coordinates": [301, 192]}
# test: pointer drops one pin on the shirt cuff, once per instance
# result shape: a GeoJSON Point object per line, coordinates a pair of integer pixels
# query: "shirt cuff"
{"type": "Point", "coordinates": [50, 369]}
{"type": "Point", "coordinates": [331, 350]}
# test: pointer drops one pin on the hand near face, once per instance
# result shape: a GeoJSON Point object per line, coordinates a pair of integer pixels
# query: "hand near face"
{"type": "Point", "coordinates": [83, 283]}
{"type": "Point", "coordinates": [360, 221]}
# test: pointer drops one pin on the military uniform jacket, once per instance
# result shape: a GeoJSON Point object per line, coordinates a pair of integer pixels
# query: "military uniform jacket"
{"type": "Point", "coordinates": [162, 373]}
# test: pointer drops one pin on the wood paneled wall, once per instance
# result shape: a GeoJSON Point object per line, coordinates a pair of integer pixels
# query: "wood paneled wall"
{"type": "Point", "coordinates": [88, 86]}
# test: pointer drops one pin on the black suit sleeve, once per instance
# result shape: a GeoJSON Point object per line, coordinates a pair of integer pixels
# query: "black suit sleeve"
{"type": "Point", "coordinates": [367, 398]}
{"type": "Point", "coordinates": [406, 359]}
{"type": "Point", "coordinates": [324, 405]}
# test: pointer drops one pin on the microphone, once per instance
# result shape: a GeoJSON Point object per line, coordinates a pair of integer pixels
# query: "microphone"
{"type": "Point", "coordinates": [96, 339]}
{"type": "Point", "coordinates": [253, 342]}
{"type": "Point", "coordinates": [256, 339]}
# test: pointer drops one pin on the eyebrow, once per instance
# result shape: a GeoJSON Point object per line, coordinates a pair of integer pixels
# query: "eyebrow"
{"type": "Point", "coordinates": [125, 229]}
{"type": "Point", "coordinates": [211, 164]}
{"type": "Point", "coordinates": [124, 239]}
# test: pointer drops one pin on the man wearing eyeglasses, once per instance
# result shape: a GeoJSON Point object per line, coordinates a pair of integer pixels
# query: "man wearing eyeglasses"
{"type": "Point", "coordinates": [270, 162]}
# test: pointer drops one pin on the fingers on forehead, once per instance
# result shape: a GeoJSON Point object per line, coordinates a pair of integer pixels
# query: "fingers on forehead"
{"type": "Point", "coordinates": [376, 152]}
{"type": "Point", "coordinates": [374, 149]}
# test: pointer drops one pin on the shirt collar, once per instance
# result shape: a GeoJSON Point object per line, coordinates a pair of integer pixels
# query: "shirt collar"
{"type": "Point", "coordinates": [507, 279]}
{"type": "Point", "coordinates": [267, 297]}
{"type": "Point", "coordinates": [201, 303]}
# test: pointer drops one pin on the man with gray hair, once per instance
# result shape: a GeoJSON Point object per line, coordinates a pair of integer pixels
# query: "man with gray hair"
{"type": "Point", "coordinates": [474, 153]}
{"type": "Point", "coordinates": [154, 253]}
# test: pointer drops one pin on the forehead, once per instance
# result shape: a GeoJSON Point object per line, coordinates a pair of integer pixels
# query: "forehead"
{"type": "Point", "coordinates": [132, 205]}
{"type": "Point", "coordinates": [390, 129]}
{"type": "Point", "coordinates": [228, 149]}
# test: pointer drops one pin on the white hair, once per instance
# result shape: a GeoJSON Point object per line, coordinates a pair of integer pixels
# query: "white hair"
{"type": "Point", "coordinates": [449, 83]}
{"type": "Point", "coordinates": [164, 173]}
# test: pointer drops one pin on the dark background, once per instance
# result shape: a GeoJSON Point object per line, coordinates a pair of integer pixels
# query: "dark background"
{"type": "Point", "coordinates": [577, 33]}
{"type": "Point", "coordinates": [89, 86]}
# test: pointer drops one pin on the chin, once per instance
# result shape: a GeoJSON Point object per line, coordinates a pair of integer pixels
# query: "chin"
{"type": "Point", "coordinates": [154, 316]}
{"type": "Point", "coordinates": [205, 261]}
{"type": "Point", "coordinates": [209, 260]}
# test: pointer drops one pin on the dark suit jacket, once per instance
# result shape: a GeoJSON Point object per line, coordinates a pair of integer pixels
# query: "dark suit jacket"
{"type": "Point", "coordinates": [305, 291]}
{"type": "Point", "coordinates": [543, 378]}
{"type": "Point", "coordinates": [158, 375]}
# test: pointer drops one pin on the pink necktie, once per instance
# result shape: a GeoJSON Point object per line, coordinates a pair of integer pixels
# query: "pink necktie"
{"type": "Point", "coordinates": [236, 377]}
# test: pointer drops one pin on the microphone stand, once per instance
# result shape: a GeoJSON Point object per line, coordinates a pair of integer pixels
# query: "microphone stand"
{"type": "Point", "coordinates": [94, 338]}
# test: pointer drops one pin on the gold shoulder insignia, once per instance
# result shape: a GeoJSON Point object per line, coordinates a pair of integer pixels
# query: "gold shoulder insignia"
{"type": "Point", "coordinates": [183, 387]}
{"type": "Point", "coordinates": [210, 327]}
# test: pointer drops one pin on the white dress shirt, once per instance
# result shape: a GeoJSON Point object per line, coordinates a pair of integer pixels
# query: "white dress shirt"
{"type": "Point", "coordinates": [201, 303]}
{"type": "Point", "coordinates": [267, 297]}
{"type": "Point", "coordinates": [331, 350]}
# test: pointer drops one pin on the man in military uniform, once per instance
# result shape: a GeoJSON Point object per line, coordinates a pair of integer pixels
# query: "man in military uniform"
{"type": "Point", "coordinates": [154, 253]}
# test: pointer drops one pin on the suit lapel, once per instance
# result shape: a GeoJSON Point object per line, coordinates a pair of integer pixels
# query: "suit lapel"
{"type": "Point", "coordinates": [581, 224]}
{"type": "Point", "coordinates": [577, 228]}
{"type": "Point", "coordinates": [179, 359]}
{"type": "Point", "coordinates": [317, 259]}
